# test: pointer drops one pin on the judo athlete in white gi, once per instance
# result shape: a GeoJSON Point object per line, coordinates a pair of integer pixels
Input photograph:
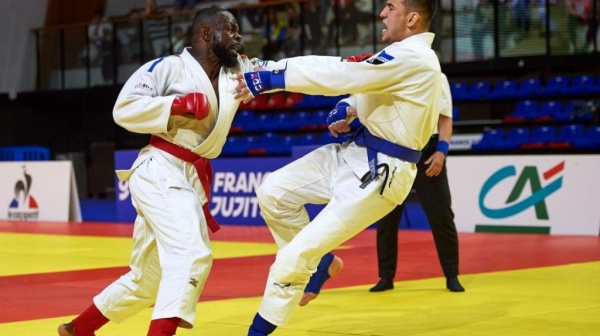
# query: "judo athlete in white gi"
{"type": "Point", "coordinates": [397, 94]}
{"type": "Point", "coordinates": [186, 103]}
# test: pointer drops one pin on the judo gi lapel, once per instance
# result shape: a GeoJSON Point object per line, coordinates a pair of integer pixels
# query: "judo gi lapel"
{"type": "Point", "coordinates": [212, 145]}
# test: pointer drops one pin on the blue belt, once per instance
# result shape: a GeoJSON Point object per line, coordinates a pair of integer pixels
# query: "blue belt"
{"type": "Point", "coordinates": [374, 145]}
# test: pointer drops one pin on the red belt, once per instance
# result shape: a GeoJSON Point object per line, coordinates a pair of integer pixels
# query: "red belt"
{"type": "Point", "coordinates": [203, 168]}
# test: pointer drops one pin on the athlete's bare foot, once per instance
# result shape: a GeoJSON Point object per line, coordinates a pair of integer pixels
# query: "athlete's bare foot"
{"type": "Point", "coordinates": [334, 269]}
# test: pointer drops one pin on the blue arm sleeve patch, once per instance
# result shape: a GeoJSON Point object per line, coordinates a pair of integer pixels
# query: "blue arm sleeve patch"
{"type": "Point", "coordinates": [386, 56]}
{"type": "Point", "coordinates": [155, 63]}
{"type": "Point", "coordinates": [383, 57]}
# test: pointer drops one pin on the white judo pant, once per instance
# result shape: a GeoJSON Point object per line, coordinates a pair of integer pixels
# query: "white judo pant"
{"type": "Point", "coordinates": [319, 177]}
{"type": "Point", "coordinates": [171, 256]}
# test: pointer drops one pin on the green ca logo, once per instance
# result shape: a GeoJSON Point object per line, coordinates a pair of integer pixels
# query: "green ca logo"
{"type": "Point", "coordinates": [529, 176]}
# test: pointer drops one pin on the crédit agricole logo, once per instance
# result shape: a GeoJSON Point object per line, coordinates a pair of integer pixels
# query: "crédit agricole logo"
{"type": "Point", "coordinates": [529, 192]}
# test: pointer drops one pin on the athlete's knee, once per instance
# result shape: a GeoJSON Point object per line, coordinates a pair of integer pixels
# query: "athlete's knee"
{"type": "Point", "coordinates": [262, 194]}
{"type": "Point", "coordinates": [290, 268]}
{"type": "Point", "coordinates": [201, 257]}
{"type": "Point", "coordinates": [267, 196]}
{"type": "Point", "coordinates": [191, 260]}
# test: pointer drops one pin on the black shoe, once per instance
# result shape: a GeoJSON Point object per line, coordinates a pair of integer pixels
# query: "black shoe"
{"type": "Point", "coordinates": [383, 285]}
{"type": "Point", "coordinates": [453, 285]}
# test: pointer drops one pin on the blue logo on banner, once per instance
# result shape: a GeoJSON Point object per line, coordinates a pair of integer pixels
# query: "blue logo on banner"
{"type": "Point", "coordinates": [233, 199]}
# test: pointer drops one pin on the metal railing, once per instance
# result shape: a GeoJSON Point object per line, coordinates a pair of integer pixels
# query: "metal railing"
{"type": "Point", "coordinates": [486, 31]}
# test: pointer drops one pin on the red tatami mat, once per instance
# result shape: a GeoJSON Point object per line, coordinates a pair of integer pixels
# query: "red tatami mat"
{"type": "Point", "coordinates": [36, 296]}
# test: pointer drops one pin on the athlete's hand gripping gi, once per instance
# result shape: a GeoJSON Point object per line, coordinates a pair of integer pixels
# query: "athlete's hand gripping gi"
{"type": "Point", "coordinates": [359, 58]}
{"type": "Point", "coordinates": [339, 119]}
{"type": "Point", "coordinates": [194, 103]}
{"type": "Point", "coordinates": [253, 83]}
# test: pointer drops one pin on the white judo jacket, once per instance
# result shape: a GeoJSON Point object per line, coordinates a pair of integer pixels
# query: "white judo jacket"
{"type": "Point", "coordinates": [144, 106]}
{"type": "Point", "coordinates": [396, 92]}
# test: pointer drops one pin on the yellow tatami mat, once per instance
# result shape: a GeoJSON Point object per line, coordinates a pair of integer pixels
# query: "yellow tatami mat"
{"type": "Point", "coordinates": [549, 301]}
{"type": "Point", "coordinates": [24, 253]}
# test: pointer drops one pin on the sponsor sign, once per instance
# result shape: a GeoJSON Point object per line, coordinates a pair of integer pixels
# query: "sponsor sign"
{"type": "Point", "coordinates": [125, 211]}
{"type": "Point", "coordinates": [462, 142]}
{"type": "Point", "coordinates": [235, 180]}
{"type": "Point", "coordinates": [39, 191]}
{"type": "Point", "coordinates": [233, 199]}
{"type": "Point", "coordinates": [548, 194]}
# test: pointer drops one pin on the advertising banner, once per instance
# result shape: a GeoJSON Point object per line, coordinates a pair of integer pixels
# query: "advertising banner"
{"type": "Point", "coordinates": [548, 194]}
{"type": "Point", "coordinates": [39, 191]}
{"type": "Point", "coordinates": [235, 181]}
{"type": "Point", "coordinates": [463, 141]}
{"type": "Point", "coordinates": [233, 199]}
{"type": "Point", "coordinates": [125, 211]}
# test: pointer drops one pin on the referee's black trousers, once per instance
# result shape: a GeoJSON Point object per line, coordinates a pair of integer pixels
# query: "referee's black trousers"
{"type": "Point", "coordinates": [434, 196]}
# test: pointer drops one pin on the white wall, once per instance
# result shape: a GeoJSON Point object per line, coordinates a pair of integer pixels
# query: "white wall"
{"type": "Point", "coordinates": [18, 59]}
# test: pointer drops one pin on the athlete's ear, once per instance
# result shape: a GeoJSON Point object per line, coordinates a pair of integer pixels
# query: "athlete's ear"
{"type": "Point", "coordinates": [205, 33]}
{"type": "Point", "coordinates": [413, 18]}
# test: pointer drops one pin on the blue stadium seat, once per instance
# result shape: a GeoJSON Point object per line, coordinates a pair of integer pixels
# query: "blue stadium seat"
{"type": "Point", "coordinates": [567, 136]}
{"type": "Point", "coordinates": [271, 143]}
{"type": "Point", "coordinates": [514, 139]}
{"type": "Point", "coordinates": [24, 153]}
{"type": "Point", "coordinates": [317, 101]}
{"type": "Point", "coordinates": [308, 139]}
{"type": "Point", "coordinates": [578, 86]}
{"type": "Point", "coordinates": [594, 87]}
{"type": "Point", "coordinates": [319, 119]}
{"type": "Point", "coordinates": [571, 132]}
{"type": "Point", "coordinates": [566, 113]}
{"type": "Point", "coordinates": [591, 140]}
{"type": "Point", "coordinates": [459, 91]}
{"type": "Point", "coordinates": [263, 122]}
{"type": "Point", "coordinates": [242, 121]}
{"type": "Point", "coordinates": [488, 140]}
{"type": "Point", "coordinates": [548, 111]}
{"type": "Point", "coordinates": [283, 121]}
{"type": "Point", "coordinates": [504, 89]}
{"type": "Point", "coordinates": [286, 144]}
{"type": "Point", "coordinates": [529, 88]}
{"type": "Point", "coordinates": [525, 110]}
{"type": "Point", "coordinates": [540, 136]}
{"type": "Point", "coordinates": [455, 113]}
{"type": "Point", "coordinates": [235, 146]}
{"type": "Point", "coordinates": [254, 145]}
{"type": "Point", "coordinates": [479, 90]}
{"type": "Point", "coordinates": [555, 85]}
{"type": "Point", "coordinates": [327, 138]}
{"type": "Point", "coordinates": [302, 120]}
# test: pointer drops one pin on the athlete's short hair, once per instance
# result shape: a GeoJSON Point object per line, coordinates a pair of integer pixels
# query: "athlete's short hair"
{"type": "Point", "coordinates": [426, 8]}
{"type": "Point", "coordinates": [208, 16]}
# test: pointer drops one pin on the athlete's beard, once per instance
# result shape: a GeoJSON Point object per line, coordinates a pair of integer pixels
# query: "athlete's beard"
{"type": "Point", "coordinates": [225, 55]}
